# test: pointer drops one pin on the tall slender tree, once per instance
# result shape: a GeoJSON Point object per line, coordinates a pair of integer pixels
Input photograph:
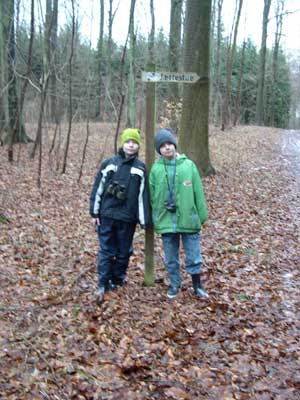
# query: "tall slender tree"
{"type": "Point", "coordinates": [70, 89]}
{"type": "Point", "coordinates": [239, 87]}
{"type": "Point", "coordinates": [19, 109]}
{"type": "Point", "coordinates": [9, 42]}
{"type": "Point", "coordinates": [175, 45]}
{"type": "Point", "coordinates": [3, 98]}
{"type": "Point", "coordinates": [111, 17]}
{"type": "Point", "coordinates": [174, 59]}
{"type": "Point", "coordinates": [100, 63]}
{"type": "Point", "coordinates": [276, 46]}
{"type": "Point", "coordinates": [149, 130]}
{"type": "Point", "coordinates": [193, 134]}
{"type": "Point", "coordinates": [262, 65]}
{"type": "Point", "coordinates": [131, 106]}
{"type": "Point", "coordinates": [216, 66]}
{"type": "Point", "coordinates": [52, 57]}
{"type": "Point", "coordinates": [226, 106]}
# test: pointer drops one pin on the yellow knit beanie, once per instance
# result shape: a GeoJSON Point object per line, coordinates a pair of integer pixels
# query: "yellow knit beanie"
{"type": "Point", "coordinates": [131, 134]}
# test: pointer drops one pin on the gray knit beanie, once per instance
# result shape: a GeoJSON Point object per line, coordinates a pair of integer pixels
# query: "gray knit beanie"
{"type": "Point", "coordinates": [163, 136]}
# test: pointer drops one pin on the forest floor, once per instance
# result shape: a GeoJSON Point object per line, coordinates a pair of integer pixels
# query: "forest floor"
{"type": "Point", "coordinates": [56, 343]}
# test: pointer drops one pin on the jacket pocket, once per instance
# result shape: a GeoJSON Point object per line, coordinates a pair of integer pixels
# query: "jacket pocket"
{"type": "Point", "coordinates": [195, 219]}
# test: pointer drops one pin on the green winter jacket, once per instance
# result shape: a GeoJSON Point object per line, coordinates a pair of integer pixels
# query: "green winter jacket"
{"type": "Point", "coordinates": [191, 211]}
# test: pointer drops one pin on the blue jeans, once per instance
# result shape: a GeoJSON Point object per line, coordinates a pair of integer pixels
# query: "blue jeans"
{"type": "Point", "coordinates": [115, 239]}
{"type": "Point", "coordinates": [193, 256]}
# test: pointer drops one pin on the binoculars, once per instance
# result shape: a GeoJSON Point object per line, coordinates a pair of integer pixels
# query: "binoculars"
{"type": "Point", "coordinates": [117, 190]}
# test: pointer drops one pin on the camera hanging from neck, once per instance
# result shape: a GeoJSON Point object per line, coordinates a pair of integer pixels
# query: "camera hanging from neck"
{"type": "Point", "coordinates": [170, 203]}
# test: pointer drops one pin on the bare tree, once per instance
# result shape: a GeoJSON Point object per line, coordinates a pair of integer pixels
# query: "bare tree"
{"type": "Point", "coordinates": [99, 112]}
{"type": "Point", "coordinates": [52, 18]}
{"type": "Point", "coordinates": [279, 22]}
{"type": "Point", "coordinates": [226, 106]}
{"type": "Point", "coordinates": [175, 45]}
{"type": "Point", "coordinates": [239, 87]}
{"type": "Point", "coordinates": [49, 20]}
{"type": "Point", "coordinates": [131, 107]}
{"type": "Point", "coordinates": [10, 100]}
{"type": "Point", "coordinates": [19, 109]}
{"type": "Point", "coordinates": [262, 65]}
{"type": "Point", "coordinates": [70, 90]}
{"type": "Point", "coordinates": [149, 131]}
{"type": "Point", "coordinates": [111, 17]}
{"type": "Point", "coordinates": [216, 71]}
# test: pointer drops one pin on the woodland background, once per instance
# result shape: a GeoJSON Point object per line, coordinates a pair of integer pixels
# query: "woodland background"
{"type": "Point", "coordinates": [51, 73]}
{"type": "Point", "coordinates": [62, 105]}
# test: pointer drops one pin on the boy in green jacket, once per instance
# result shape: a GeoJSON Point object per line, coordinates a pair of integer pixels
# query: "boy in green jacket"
{"type": "Point", "coordinates": [178, 210]}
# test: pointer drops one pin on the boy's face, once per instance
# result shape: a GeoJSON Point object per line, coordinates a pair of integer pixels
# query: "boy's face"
{"type": "Point", "coordinates": [168, 150]}
{"type": "Point", "coordinates": [130, 147]}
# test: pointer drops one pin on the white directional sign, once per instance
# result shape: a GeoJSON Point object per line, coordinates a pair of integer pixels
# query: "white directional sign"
{"type": "Point", "coordinates": [178, 77]}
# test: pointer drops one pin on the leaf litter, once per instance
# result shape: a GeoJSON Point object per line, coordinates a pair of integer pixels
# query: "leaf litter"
{"type": "Point", "coordinates": [56, 343]}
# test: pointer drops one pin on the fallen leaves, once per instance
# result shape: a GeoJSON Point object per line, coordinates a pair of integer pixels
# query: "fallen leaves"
{"type": "Point", "coordinates": [243, 344]}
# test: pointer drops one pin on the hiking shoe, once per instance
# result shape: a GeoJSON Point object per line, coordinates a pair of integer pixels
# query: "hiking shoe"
{"type": "Point", "coordinates": [172, 292]}
{"type": "Point", "coordinates": [117, 282]}
{"type": "Point", "coordinates": [111, 287]}
{"type": "Point", "coordinates": [99, 294]}
{"type": "Point", "coordinates": [201, 292]}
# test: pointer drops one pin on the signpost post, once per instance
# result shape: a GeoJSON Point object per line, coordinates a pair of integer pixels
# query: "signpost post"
{"type": "Point", "coordinates": [151, 78]}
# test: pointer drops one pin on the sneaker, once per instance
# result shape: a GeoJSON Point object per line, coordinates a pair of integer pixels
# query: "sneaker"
{"type": "Point", "coordinates": [201, 292]}
{"type": "Point", "coordinates": [172, 292]}
{"type": "Point", "coordinates": [99, 294]}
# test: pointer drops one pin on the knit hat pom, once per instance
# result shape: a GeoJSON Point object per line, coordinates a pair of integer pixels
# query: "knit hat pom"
{"type": "Point", "coordinates": [164, 136]}
{"type": "Point", "coordinates": [131, 134]}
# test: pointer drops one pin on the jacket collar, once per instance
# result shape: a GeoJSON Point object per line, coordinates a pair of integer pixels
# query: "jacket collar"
{"type": "Point", "coordinates": [121, 153]}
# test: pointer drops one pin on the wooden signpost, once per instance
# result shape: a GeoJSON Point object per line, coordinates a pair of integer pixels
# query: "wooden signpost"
{"type": "Point", "coordinates": [151, 78]}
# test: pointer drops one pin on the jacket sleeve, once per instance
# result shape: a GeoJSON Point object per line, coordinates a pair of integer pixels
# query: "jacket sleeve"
{"type": "Point", "coordinates": [151, 186]}
{"type": "Point", "coordinates": [146, 203]}
{"type": "Point", "coordinates": [199, 195]}
{"type": "Point", "coordinates": [96, 194]}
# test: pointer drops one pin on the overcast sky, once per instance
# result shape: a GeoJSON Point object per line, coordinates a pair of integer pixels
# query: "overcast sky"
{"type": "Point", "coordinates": [88, 11]}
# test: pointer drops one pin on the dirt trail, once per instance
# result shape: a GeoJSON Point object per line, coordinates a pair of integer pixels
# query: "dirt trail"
{"type": "Point", "coordinates": [290, 148]}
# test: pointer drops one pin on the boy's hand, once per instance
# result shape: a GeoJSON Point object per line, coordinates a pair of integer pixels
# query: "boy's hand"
{"type": "Point", "coordinates": [97, 222]}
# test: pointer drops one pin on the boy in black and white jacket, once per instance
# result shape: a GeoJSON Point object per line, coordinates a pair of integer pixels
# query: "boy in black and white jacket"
{"type": "Point", "coordinates": [119, 200]}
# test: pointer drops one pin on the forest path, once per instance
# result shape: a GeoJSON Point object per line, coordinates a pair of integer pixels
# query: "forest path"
{"type": "Point", "coordinates": [290, 147]}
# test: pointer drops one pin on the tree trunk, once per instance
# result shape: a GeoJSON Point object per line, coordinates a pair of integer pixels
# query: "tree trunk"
{"type": "Point", "coordinates": [262, 66]}
{"type": "Point", "coordinates": [174, 46]}
{"type": "Point", "coordinates": [238, 95]}
{"type": "Point", "coordinates": [3, 71]}
{"type": "Point", "coordinates": [216, 95]}
{"type": "Point", "coordinates": [193, 138]}
{"type": "Point", "coordinates": [70, 91]}
{"type": "Point", "coordinates": [131, 106]}
{"type": "Point", "coordinates": [279, 23]}
{"type": "Point", "coordinates": [14, 117]}
{"type": "Point", "coordinates": [99, 113]}
{"type": "Point", "coordinates": [19, 109]}
{"type": "Point", "coordinates": [149, 131]}
{"type": "Point", "coordinates": [109, 54]}
{"type": "Point", "coordinates": [226, 106]}
{"type": "Point", "coordinates": [174, 61]}
{"type": "Point", "coordinates": [53, 62]}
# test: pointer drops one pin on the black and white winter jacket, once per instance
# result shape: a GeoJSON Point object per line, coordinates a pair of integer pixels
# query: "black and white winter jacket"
{"type": "Point", "coordinates": [131, 173]}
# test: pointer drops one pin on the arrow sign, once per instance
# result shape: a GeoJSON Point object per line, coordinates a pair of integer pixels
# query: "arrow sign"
{"type": "Point", "coordinates": [177, 77]}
